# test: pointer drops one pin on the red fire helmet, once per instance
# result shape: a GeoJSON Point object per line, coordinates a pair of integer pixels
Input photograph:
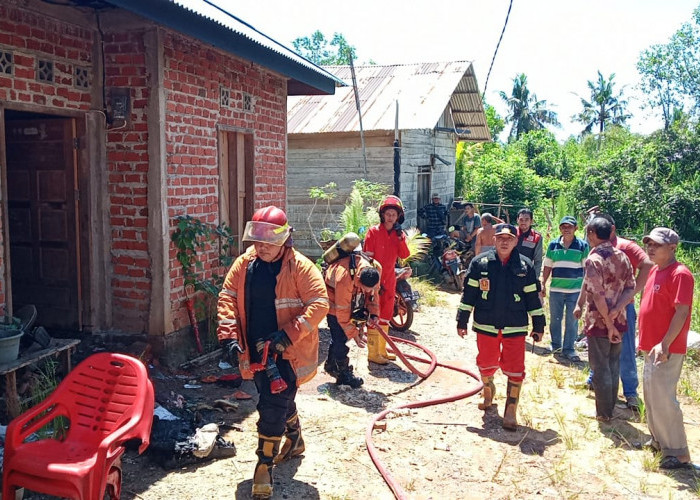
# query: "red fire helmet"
{"type": "Point", "coordinates": [394, 202]}
{"type": "Point", "coordinates": [268, 225]}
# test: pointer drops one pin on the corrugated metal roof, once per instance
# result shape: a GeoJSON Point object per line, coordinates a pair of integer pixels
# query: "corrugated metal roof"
{"type": "Point", "coordinates": [424, 91]}
{"type": "Point", "coordinates": [206, 21]}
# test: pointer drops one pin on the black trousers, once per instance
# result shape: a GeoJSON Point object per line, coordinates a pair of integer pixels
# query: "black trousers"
{"type": "Point", "coordinates": [337, 349]}
{"type": "Point", "coordinates": [275, 409]}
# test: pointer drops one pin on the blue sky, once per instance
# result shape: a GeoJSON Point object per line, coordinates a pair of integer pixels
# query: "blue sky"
{"type": "Point", "coordinates": [558, 44]}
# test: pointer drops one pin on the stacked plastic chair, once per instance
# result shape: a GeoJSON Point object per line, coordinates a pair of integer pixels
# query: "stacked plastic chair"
{"type": "Point", "coordinates": [106, 401]}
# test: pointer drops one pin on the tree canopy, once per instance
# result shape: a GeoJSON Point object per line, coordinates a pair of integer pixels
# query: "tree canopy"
{"type": "Point", "coordinates": [526, 112]}
{"type": "Point", "coordinates": [671, 72]}
{"type": "Point", "coordinates": [605, 107]}
{"type": "Point", "coordinates": [317, 49]}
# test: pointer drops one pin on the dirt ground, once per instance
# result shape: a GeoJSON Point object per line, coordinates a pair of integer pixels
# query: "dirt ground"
{"type": "Point", "coordinates": [447, 451]}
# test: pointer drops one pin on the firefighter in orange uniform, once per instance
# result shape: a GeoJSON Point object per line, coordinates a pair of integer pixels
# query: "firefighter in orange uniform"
{"type": "Point", "coordinates": [353, 291]}
{"type": "Point", "coordinates": [385, 242]}
{"type": "Point", "coordinates": [272, 294]}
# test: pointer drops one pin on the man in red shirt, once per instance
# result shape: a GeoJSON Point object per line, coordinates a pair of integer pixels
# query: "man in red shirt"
{"type": "Point", "coordinates": [385, 242]}
{"type": "Point", "coordinates": [664, 321]}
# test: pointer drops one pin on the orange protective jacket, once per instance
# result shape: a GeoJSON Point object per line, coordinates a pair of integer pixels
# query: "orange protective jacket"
{"type": "Point", "coordinates": [342, 289]}
{"type": "Point", "coordinates": [301, 303]}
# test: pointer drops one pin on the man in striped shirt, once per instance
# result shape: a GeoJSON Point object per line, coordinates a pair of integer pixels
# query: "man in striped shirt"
{"type": "Point", "coordinates": [564, 263]}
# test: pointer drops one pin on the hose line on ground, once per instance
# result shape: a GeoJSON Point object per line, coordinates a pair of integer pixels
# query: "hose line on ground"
{"type": "Point", "coordinates": [371, 449]}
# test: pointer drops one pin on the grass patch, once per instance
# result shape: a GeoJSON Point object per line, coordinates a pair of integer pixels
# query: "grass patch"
{"type": "Point", "coordinates": [567, 438]}
{"type": "Point", "coordinates": [429, 295]}
{"type": "Point", "coordinates": [651, 462]}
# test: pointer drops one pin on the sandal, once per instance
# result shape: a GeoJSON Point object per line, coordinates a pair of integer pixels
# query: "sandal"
{"type": "Point", "coordinates": [574, 358]}
{"type": "Point", "coordinates": [670, 462]}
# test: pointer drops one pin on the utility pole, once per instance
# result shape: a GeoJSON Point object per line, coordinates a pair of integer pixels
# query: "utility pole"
{"type": "Point", "coordinates": [359, 114]}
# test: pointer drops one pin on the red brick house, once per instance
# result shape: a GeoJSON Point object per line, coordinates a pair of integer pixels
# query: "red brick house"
{"type": "Point", "coordinates": [116, 117]}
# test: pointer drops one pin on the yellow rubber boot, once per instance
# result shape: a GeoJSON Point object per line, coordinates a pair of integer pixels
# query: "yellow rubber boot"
{"type": "Point", "coordinates": [268, 446]}
{"type": "Point", "coordinates": [373, 346]}
{"type": "Point", "coordinates": [488, 392]}
{"type": "Point", "coordinates": [293, 445]}
{"type": "Point", "coordinates": [382, 345]}
{"type": "Point", "coordinates": [510, 419]}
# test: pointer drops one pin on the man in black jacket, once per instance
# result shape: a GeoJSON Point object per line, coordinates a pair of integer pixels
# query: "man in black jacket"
{"type": "Point", "coordinates": [502, 290]}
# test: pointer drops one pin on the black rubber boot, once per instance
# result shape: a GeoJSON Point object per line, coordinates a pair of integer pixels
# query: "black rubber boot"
{"type": "Point", "coordinates": [342, 371]}
{"type": "Point", "coordinates": [294, 442]}
{"type": "Point", "coordinates": [347, 377]}
{"type": "Point", "coordinates": [331, 368]}
{"type": "Point", "coordinates": [262, 477]}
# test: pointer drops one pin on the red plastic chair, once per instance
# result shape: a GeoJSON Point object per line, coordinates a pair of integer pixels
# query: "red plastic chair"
{"type": "Point", "coordinates": [107, 400]}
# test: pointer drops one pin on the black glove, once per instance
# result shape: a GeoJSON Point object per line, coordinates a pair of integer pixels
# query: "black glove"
{"type": "Point", "coordinates": [278, 341]}
{"type": "Point", "coordinates": [231, 349]}
{"type": "Point", "coordinates": [398, 229]}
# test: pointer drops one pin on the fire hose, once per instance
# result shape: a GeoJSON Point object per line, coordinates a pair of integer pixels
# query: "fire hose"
{"type": "Point", "coordinates": [371, 449]}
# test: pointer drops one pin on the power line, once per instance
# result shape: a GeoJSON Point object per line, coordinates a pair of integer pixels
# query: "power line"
{"type": "Point", "coordinates": [497, 45]}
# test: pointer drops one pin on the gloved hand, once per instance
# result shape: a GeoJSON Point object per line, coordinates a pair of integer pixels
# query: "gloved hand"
{"type": "Point", "coordinates": [231, 349]}
{"type": "Point", "coordinates": [398, 229]}
{"type": "Point", "coordinates": [278, 341]}
{"type": "Point", "coordinates": [373, 322]}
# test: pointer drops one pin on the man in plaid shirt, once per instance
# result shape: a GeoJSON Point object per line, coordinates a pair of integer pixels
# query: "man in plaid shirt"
{"type": "Point", "coordinates": [435, 214]}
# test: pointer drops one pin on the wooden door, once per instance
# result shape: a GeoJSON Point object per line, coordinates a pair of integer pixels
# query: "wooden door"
{"type": "Point", "coordinates": [423, 191]}
{"type": "Point", "coordinates": [237, 181]}
{"type": "Point", "coordinates": [42, 207]}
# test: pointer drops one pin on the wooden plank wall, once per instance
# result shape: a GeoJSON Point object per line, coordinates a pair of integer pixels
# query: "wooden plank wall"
{"type": "Point", "coordinates": [315, 160]}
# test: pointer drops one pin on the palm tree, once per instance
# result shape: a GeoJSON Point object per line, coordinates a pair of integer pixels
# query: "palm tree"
{"type": "Point", "coordinates": [527, 113]}
{"type": "Point", "coordinates": [605, 108]}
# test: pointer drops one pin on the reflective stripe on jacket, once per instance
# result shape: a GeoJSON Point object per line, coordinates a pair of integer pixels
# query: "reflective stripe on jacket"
{"type": "Point", "coordinates": [342, 289]}
{"type": "Point", "coordinates": [301, 303]}
{"type": "Point", "coordinates": [501, 296]}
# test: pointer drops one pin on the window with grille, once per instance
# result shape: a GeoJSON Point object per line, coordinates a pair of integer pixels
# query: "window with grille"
{"type": "Point", "coordinates": [224, 96]}
{"type": "Point", "coordinates": [45, 71]}
{"type": "Point", "coordinates": [6, 62]}
{"type": "Point", "coordinates": [82, 78]}
{"type": "Point", "coordinates": [247, 102]}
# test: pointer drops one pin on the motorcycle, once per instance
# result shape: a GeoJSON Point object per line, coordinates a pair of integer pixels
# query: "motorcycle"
{"type": "Point", "coordinates": [405, 301]}
{"type": "Point", "coordinates": [455, 261]}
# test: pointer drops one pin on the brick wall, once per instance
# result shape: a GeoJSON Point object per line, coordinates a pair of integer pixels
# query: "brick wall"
{"type": "Point", "coordinates": [194, 75]}
{"type": "Point", "coordinates": [127, 163]}
{"type": "Point", "coordinates": [29, 38]}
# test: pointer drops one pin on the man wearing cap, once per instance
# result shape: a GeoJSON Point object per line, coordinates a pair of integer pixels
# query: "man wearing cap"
{"type": "Point", "coordinates": [435, 214]}
{"type": "Point", "coordinates": [608, 286]}
{"type": "Point", "coordinates": [564, 263]}
{"type": "Point", "coordinates": [501, 290]}
{"type": "Point", "coordinates": [273, 296]}
{"type": "Point", "coordinates": [664, 321]}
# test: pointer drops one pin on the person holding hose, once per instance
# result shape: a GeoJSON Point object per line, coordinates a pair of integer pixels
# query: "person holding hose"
{"type": "Point", "coordinates": [385, 242]}
{"type": "Point", "coordinates": [502, 290]}
{"type": "Point", "coordinates": [273, 296]}
{"type": "Point", "coordinates": [353, 291]}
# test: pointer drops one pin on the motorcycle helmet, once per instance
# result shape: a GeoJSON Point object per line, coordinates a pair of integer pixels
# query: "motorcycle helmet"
{"type": "Point", "coordinates": [394, 202]}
